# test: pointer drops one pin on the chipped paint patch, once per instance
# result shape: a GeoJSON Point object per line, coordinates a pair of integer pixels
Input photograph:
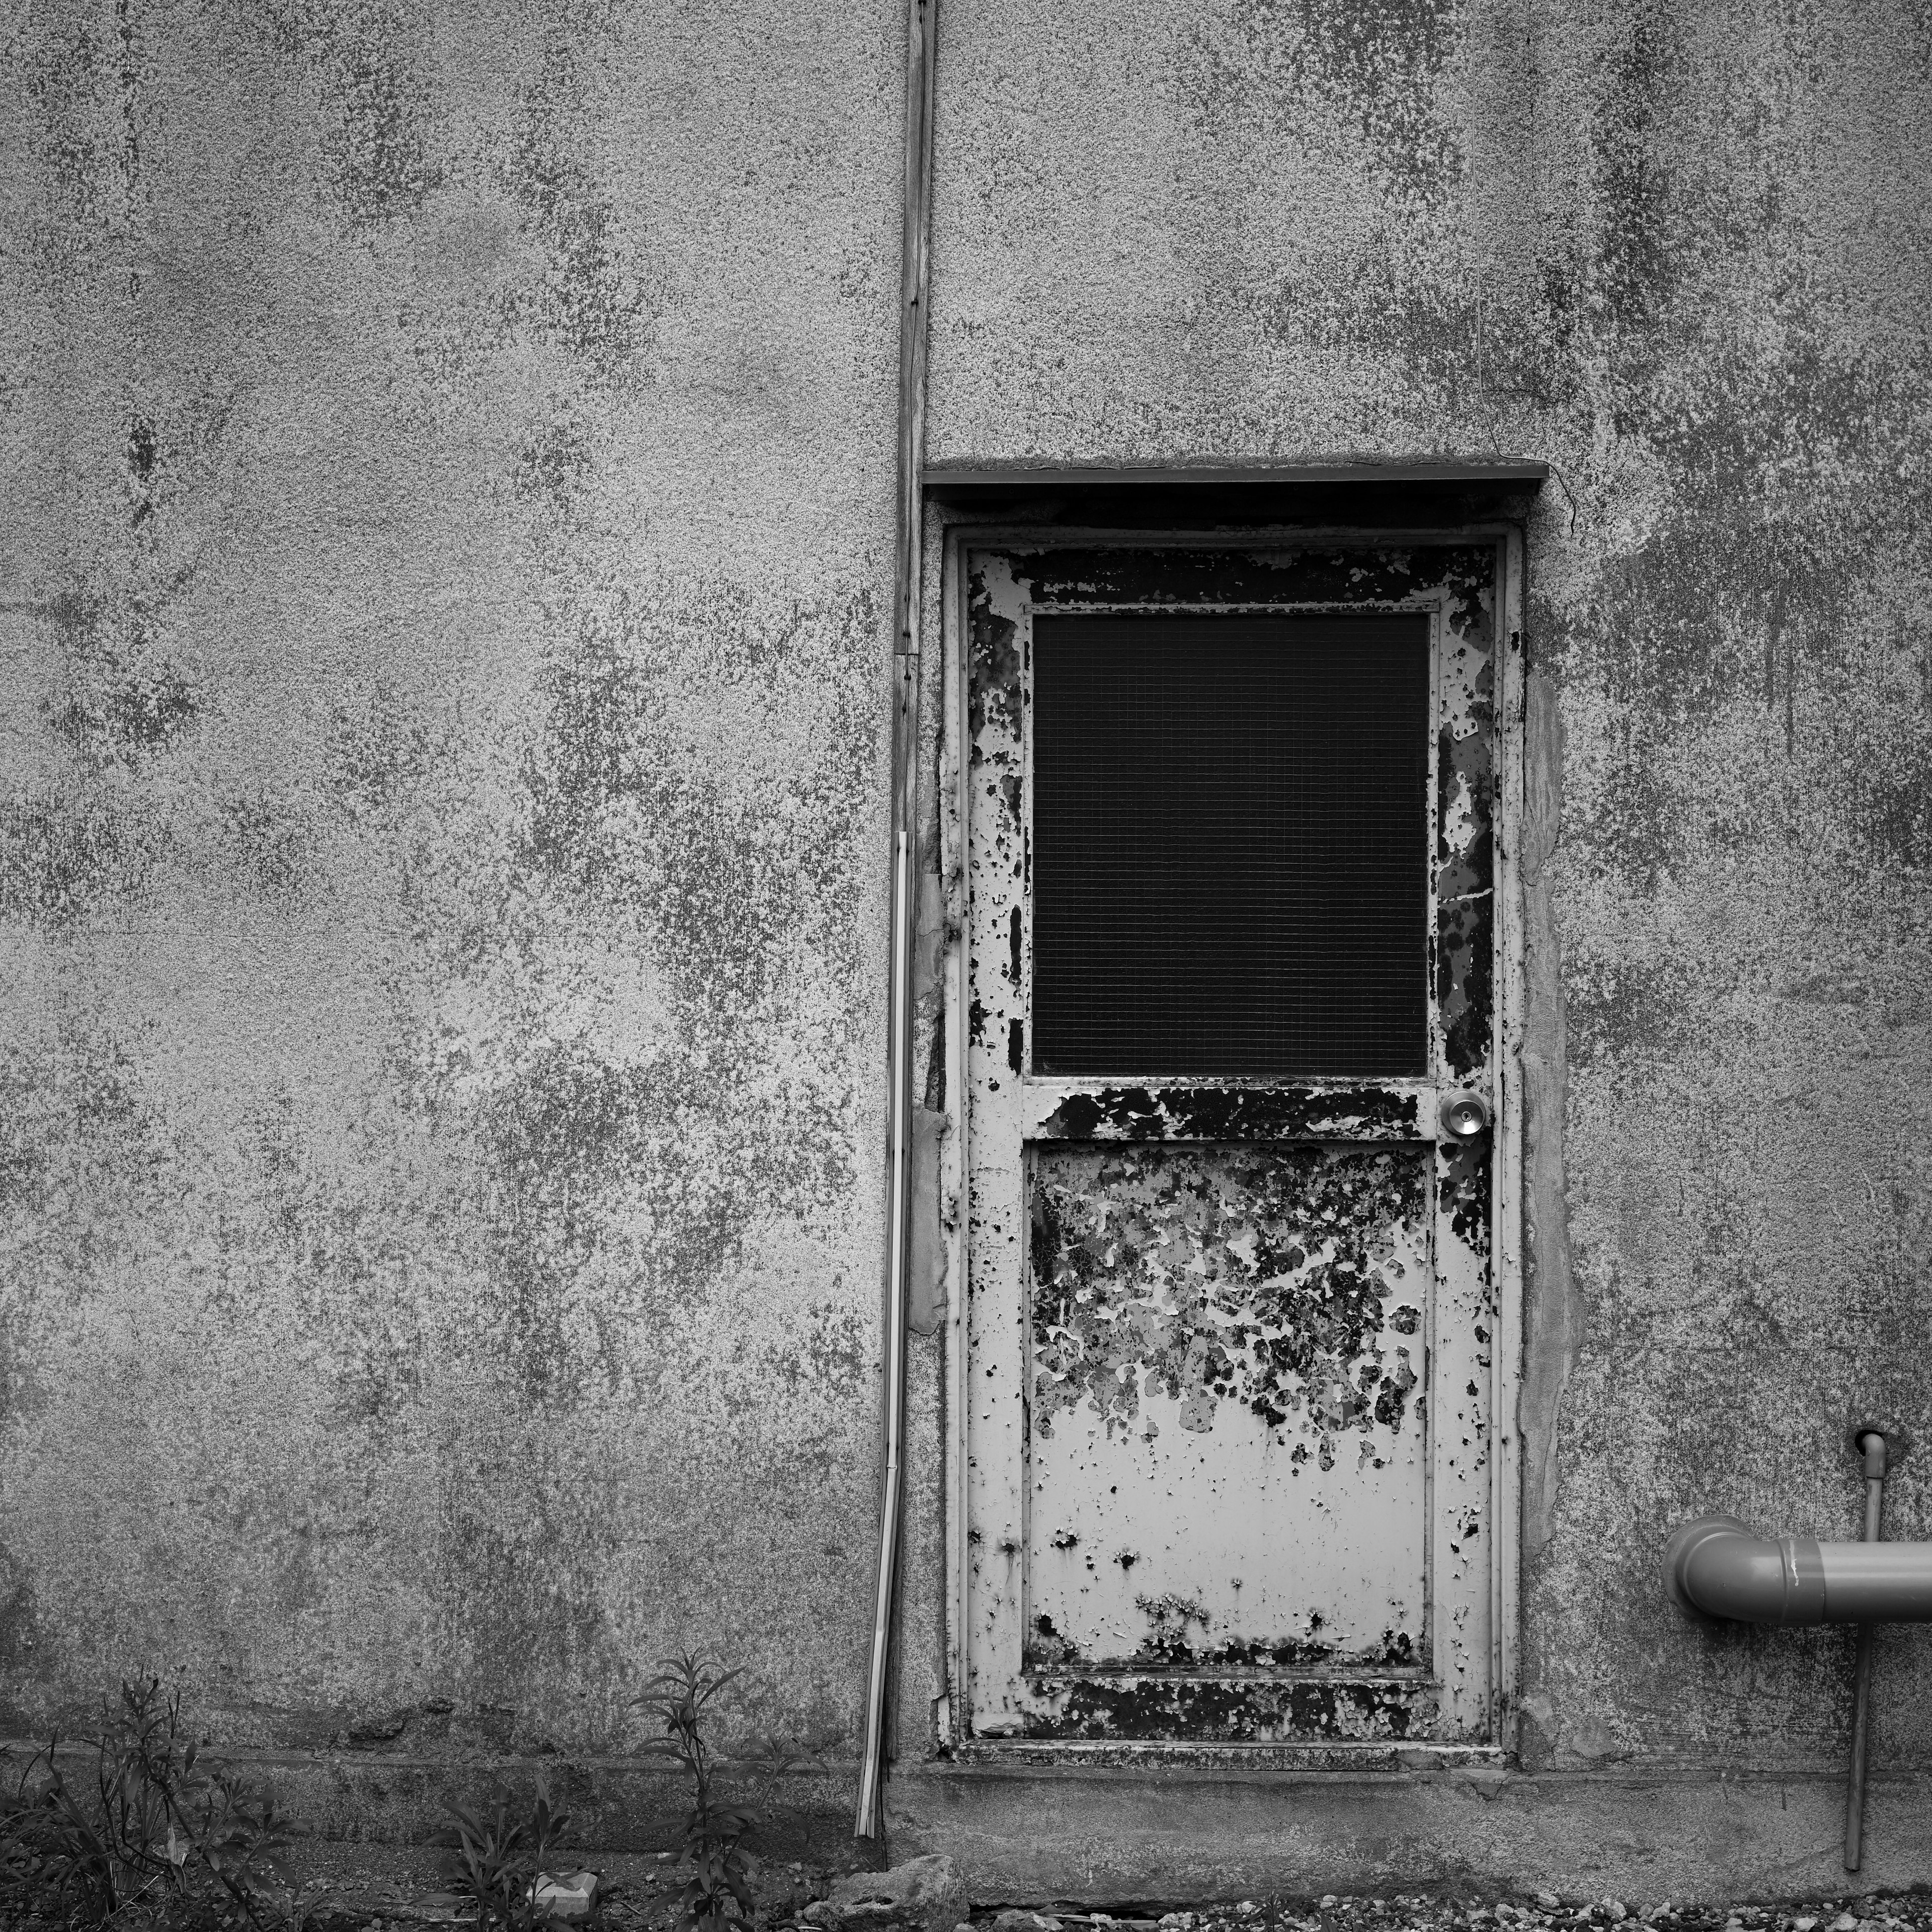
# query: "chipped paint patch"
{"type": "Point", "coordinates": [1269, 1278]}
{"type": "Point", "coordinates": [1245, 1710]}
{"type": "Point", "coordinates": [1232, 1113]}
{"type": "Point", "coordinates": [1180, 1636]}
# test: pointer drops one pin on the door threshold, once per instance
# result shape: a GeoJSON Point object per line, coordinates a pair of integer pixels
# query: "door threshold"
{"type": "Point", "coordinates": [1379, 1755]}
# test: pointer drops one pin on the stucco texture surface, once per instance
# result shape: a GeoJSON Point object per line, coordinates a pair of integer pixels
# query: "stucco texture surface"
{"type": "Point", "coordinates": [448, 468]}
{"type": "Point", "coordinates": [447, 555]}
{"type": "Point", "coordinates": [1681, 253]}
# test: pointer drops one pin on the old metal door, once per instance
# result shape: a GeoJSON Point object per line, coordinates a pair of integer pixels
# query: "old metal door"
{"type": "Point", "coordinates": [1228, 1380]}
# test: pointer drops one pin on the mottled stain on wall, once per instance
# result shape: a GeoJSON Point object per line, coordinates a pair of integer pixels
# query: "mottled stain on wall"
{"type": "Point", "coordinates": [1376, 68]}
{"type": "Point", "coordinates": [364, 60]}
{"type": "Point", "coordinates": [592, 300]}
{"type": "Point", "coordinates": [1271, 1278]}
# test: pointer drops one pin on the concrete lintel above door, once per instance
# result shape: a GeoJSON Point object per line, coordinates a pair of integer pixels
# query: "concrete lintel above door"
{"type": "Point", "coordinates": [1377, 492]}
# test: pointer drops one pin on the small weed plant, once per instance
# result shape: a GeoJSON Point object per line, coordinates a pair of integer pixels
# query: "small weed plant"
{"type": "Point", "coordinates": [149, 1836]}
{"type": "Point", "coordinates": [720, 1891]}
{"type": "Point", "coordinates": [495, 1861]}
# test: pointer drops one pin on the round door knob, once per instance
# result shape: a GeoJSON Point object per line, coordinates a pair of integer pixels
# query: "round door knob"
{"type": "Point", "coordinates": [1466, 1116]}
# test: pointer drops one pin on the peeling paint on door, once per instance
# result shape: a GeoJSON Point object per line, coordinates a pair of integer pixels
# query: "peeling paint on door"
{"type": "Point", "coordinates": [1167, 1709]}
{"type": "Point", "coordinates": [1268, 1279]}
{"type": "Point", "coordinates": [1228, 1454]}
{"type": "Point", "coordinates": [1226, 1357]}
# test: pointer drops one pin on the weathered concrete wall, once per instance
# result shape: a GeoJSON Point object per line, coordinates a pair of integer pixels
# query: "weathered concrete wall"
{"type": "Point", "coordinates": [1681, 253]}
{"type": "Point", "coordinates": [1174, 1834]}
{"type": "Point", "coordinates": [448, 457]}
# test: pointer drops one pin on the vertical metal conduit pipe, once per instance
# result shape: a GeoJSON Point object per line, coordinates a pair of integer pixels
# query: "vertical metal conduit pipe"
{"type": "Point", "coordinates": [1871, 1446]}
{"type": "Point", "coordinates": [907, 589]}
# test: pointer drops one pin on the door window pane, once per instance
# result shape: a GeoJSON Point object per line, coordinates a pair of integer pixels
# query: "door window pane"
{"type": "Point", "coordinates": [1230, 845]}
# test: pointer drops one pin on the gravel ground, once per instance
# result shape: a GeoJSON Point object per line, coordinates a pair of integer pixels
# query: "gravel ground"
{"type": "Point", "coordinates": [643, 1901]}
{"type": "Point", "coordinates": [1421, 1912]}
{"type": "Point", "coordinates": [643, 1906]}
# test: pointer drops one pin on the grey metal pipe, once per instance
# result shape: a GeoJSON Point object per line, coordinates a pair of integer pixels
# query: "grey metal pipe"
{"type": "Point", "coordinates": [1872, 1448]}
{"type": "Point", "coordinates": [1716, 1565]}
{"type": "Point", "coordinates": [908, 589]}
{"type": "Point", "coordinates": [872, 1768]}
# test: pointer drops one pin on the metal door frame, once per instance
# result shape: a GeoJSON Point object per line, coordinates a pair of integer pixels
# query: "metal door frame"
{"type": "Point", "coordinates": [954, 810]}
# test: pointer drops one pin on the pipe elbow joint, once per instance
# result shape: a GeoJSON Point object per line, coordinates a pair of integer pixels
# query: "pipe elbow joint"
{"type": "Point", "coordinates": [1716, 1565]}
